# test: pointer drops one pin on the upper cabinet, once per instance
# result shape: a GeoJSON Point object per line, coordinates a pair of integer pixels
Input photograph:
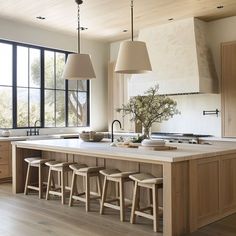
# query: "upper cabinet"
{"type": "Point", "coordinates": [228, 87]}
{"type": "Point", "coordinates": [180, 59]}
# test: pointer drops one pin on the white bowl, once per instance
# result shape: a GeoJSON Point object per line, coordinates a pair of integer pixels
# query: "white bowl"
{"type": "Point", "coordinates": [153, 142]}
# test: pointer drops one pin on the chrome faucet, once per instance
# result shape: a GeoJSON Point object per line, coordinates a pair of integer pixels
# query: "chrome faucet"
{"type": "Point", "coordinates": [112, 129]}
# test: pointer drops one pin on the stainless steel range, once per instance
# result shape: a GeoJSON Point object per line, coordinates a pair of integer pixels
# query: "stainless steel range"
{"type": "Point", "coordinates": [179, 137]}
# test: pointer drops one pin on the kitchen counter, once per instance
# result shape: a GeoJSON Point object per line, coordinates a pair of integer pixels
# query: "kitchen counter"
{"type": "Point", "coordinates": [103, 149]}
{"type": "Point", "coordinates": [198, 180]}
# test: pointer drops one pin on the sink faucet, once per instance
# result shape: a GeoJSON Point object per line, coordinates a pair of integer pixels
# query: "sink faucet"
{"type": "Point", "coordinates": [36, 131]}
{"type": "Point", "coordinates": [112, 129]}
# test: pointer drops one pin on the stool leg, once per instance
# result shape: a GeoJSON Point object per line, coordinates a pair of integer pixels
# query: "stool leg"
{"type": "Point", "coordinates": [134, 203]}
{"type": "Point", "coordinates": [49, 183]}
{"type": "Point", "coordinates": [150, 200]}
{"type": "Point", "coordinates": [62, 187]}
{"type": "Point", "coordinates": [27, 179]}
{"type": "Point", "coordinates": [104, 193]}
{"type": "Point", "coordinates": [87, 192]}
{"type": "Point", "coordinates": [40, 182]}
{"type": "Point", "coordinates": [72, 189]}
{"type": "Point", "coordinates": [155, 208]}
{"type": "Point", "coordinates": [122, 200]}
{"type": "Point", "coordinates": [99, 185]}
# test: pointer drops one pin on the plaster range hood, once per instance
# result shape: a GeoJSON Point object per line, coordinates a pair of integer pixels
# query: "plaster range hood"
{"type": "Point", "coordinates": [180, 58]}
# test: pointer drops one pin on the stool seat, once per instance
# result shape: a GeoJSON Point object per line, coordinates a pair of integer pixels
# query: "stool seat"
{"type": "Point", "coordinates": [146, 178]}
{"type": "Point", "coordinates": [58, 164]}
{"type": "Point", "coordinates": [36, 160]}
{"type": "Point", "coordinates": [77, 166]}
{"type": "Point", "coordinates": [93, 169]}
{"type": "Point", "coordinates": [115, 173]}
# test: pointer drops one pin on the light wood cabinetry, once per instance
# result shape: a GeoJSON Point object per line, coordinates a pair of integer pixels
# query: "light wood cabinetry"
{"type": "Point", "coordinates": [228, 89]}
{"type": "Point", "coordinates": [212, 189]}
{"type": "Point", "coordinates": [5, 161]}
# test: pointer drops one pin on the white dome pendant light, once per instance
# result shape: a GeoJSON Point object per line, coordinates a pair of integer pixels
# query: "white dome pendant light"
{"type": "Point", "coordinates": [78, 66]}
{"type": "Point", "coordinates": [133, 55]}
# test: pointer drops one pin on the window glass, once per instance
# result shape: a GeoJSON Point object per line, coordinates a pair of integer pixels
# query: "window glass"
{"type": "Point", "coordinates": [6, 107]}
{"type": "Point", "coordinates": [60, 108]}
{"type": "Point", "coordinates": [49, 69]}
{"type": "Point", "coordinates": [35, 68]}
{"type": "Point", "coordinates": [5, 64]}
{"type": "Point", "coordinates": [22, 107]}
{"type": "Point", "coordinates": [34, 106]}
{"type": "Point", "coordinates": [49, 107]}
{"type": "Point", "coordinates": [22, 66]}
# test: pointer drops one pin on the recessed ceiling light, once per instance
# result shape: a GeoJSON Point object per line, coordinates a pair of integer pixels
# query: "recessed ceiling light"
{"type": "Point", "coordinates": [40, 17]}
{"type": "Point", "coordinates": [170, 19]}
{"type": "Point", "coordinates": [220, 7]}
{"type": "Point", "coordinates": [82, 28]}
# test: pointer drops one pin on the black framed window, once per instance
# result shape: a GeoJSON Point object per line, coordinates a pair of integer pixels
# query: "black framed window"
{"type": "Point", "coordinates": [32, 88]}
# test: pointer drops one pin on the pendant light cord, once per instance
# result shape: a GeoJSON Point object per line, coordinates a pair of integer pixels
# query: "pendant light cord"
{"type": "Point", "coordinates": [78, 28]}
{"type": "Point", "coordinates": [132, 20]}
{"type": "Point", "coordinates": [79, 2]}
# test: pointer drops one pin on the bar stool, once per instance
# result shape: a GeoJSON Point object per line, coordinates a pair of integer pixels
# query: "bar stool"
{"type": "Point", "coordinates": [39, 163]}
{"type": "Point", "coordinates": [153, 183]}
{"type": "Point", "coordinates": [61, 168]}
{"type": "Point", "coordinates": [120, 178]}
{"type": "Point", "coordinates": [86, 172]}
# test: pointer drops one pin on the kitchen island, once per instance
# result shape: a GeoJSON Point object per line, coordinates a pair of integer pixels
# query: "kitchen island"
{"type": "Point", "coordinates": [198, 180]}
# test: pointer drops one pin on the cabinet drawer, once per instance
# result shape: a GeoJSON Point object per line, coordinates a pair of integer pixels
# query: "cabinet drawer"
{"type": "Point", "coordinates": [4, 146]}
{"type": "Point", "coordinates": [4, 157]}
{"type": "Point", "coordinates": [4, 171]}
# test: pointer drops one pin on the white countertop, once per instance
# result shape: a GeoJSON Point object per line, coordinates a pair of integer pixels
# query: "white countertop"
{"type": "Point", "coordinates": [104, 150]}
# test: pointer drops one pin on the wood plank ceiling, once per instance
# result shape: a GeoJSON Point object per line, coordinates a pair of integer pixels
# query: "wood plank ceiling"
{"type": "Point", "coordinates": [106, 19]}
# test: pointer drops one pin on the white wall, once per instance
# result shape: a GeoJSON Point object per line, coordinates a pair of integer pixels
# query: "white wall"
{"type": "Point", "coordinates": [192, 106]}
{"type": "Point", "coordinates": [99, 51]}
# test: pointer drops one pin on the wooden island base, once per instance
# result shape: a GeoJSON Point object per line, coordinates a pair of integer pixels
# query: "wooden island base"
{"type": "Point", "coordinates": [195, 193]}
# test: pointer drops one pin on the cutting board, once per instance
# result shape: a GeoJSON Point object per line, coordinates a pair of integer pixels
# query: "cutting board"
{"type": "Point", "coordinates": [153, 148]}
{"type": "Point", "coordinates": [158, 148]}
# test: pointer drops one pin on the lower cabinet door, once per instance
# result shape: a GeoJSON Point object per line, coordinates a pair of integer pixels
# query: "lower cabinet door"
{"type": "Point", "coordinates": [4, 171]}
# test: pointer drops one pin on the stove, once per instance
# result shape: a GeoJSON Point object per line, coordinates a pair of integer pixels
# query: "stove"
{"type": "Point", "coordinates": [179, 137]}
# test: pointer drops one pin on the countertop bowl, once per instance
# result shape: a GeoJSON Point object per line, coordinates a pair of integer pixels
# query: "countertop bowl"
{"type": "Point", "coordinates": [91, 136]}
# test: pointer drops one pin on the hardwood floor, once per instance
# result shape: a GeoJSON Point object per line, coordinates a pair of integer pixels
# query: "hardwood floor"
{"type": "Point", "coordinates": [28, 216]}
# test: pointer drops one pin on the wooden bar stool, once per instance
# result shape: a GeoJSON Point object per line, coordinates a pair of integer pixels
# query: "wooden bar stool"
{"type": "Point", "coordinates": [120, 178]}
{"type": "Point", "coordinates": [151, 182]}
{"type": "Point", "coordinates": [62, 168]}
{"type": "Point", "coordinates": [39, 163]}
{"type": "Point", "coordinates": [87, 173]}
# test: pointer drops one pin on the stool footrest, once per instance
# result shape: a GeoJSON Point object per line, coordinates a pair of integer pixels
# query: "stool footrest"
{"type": "Point", "coordinates": [82, 199]}
{"type": "Point", "coordinates": [33, 187]}
{"type": "Point", "coordinates": [144, 214]}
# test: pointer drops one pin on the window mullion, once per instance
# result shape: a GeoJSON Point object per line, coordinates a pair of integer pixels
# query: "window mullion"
{"type": "Point", "coordinates": [42, 88]}
{"type": "Point", "coordinates": [14, 84]}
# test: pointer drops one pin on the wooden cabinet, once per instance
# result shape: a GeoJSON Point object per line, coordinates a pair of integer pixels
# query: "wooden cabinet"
{"type": "Point", "coordinates": [228, 89]}
{"type": "Point", "coordinates": [5, 161]}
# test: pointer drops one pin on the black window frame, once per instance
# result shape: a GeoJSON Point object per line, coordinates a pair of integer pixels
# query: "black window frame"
{"type": "Point", "coordinates": [42, 85]}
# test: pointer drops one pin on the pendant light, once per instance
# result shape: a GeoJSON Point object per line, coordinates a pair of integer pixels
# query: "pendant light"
{"type": "Point", "coordinates": [133, 55]}
{"type": "Point", "coordinates": [78, 66]}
